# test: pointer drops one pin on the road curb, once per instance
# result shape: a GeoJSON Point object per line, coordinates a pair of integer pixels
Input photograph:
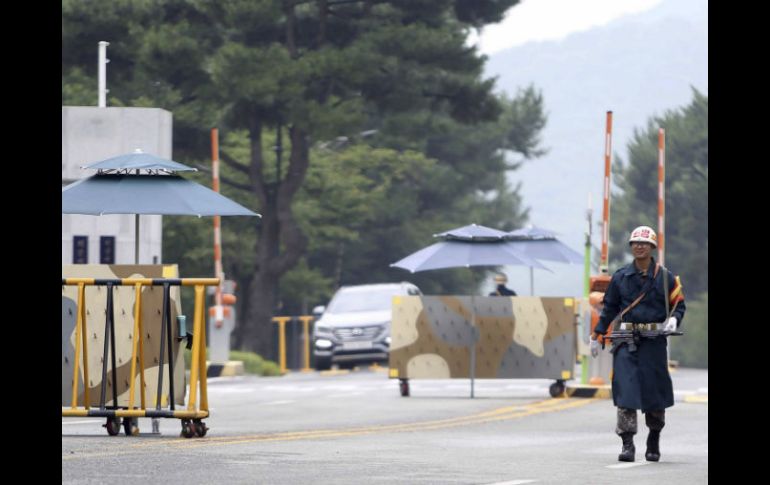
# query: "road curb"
{"type": "Point", "coordinates": [585, 390]}
{"type": "Point", "coordinates": [229, 369]}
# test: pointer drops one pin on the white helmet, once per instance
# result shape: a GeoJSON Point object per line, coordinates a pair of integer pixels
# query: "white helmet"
{"type": "Point", "coordinates": [644, 234]}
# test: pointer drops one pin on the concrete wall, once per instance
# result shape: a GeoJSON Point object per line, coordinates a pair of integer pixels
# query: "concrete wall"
{"type": "Point", "coordinates": [91, 134]}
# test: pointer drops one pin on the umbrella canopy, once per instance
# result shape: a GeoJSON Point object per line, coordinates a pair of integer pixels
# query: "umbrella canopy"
{"type": "Point", "coordinates": [137, 161]}
{"type": "Point", "coordinates": [466, 246]}
{"type": "Point", "coordinates": [548, 250]}
{"type": "Point", "coordinates": [120, 188]}
{"type": "Point", "coordinates": [473, 232]}
{"type": "Point", "coordinates": [146, 194]}
{"type": "Point", "coordinates": [540, 243]}
{"type": "Point", "coordinates": [453, 254]}
{"type": "Point", "coordinates": [531, 232]}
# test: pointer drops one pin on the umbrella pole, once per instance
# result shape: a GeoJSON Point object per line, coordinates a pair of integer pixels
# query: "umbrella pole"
{"type": "Point", "coordinates": [136, 239]}
{"type": "Point", "coordinates": [473, 346]}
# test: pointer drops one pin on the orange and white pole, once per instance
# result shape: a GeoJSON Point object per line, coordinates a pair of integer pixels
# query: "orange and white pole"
{"type": "Point", "coordinates": [218, 312]}
{"type": "Point", "coordinates": [661, 194]}
{"type": "Point", "coordinates": [603, 264]}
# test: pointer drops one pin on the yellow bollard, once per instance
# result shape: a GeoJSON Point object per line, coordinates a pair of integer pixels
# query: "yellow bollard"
{"type": "Point", "coordinates": [281, 321]}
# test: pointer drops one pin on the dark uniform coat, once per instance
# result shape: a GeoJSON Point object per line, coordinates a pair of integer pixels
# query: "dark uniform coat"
{"type": "Point", "coordinates": [640, 379]}
{"type": "Point", "coordinates": [502, 290]}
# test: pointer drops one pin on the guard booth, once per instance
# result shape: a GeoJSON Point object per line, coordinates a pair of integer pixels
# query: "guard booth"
{"type": "Point", "coordinates": [439, 337]}
{"type": "Point", "coordinates": [107, 371]}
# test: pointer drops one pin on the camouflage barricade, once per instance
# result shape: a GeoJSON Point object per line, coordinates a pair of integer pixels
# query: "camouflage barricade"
{"type": "Point", "coordinates": [123, 302]}
{"type": "Point", "coordinates": [514, 337]}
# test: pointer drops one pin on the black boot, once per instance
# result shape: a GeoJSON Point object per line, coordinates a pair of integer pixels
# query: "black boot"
{"type": "Point", "coordinates": [653, 446]}
{"type": "Point", "coordinates": [627, 453]}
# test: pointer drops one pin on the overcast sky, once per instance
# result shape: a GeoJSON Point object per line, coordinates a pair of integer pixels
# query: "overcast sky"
{"type": "Point", "coordinates": [539, 20]}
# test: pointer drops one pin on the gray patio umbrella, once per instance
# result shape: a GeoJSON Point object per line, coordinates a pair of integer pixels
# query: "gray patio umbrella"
{"type": "Point", "coordinates": [138, 160]}
{"type": "Point", "coordinates": [466, 246]}
{"type": "Point", "coordinates": [541, 244]}
{"type": "Point", "coordinates": [114, 190]}
{"type": "Point", "coordinates": [146, 194]}
{"type": "Point", "coordinates": [456, 253]}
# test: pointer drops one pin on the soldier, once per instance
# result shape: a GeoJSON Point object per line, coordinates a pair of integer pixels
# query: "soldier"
{"type": "Point", "coordinates": [640, 378]}
{"type": "Point", "coordinates": [501, 289]}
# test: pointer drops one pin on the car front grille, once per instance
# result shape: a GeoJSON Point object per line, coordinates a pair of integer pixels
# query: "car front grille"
{"type": "Point", "coordinates": [357, 333]}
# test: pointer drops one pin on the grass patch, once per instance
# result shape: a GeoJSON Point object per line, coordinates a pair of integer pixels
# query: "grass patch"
{"type": "Point", "coordinates": [253, 363]}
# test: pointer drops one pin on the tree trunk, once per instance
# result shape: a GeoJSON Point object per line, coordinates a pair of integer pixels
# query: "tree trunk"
{"type": "Point", "coordinates": [257, 334]}
{"type": "Point", "coordinates": [280, 242]}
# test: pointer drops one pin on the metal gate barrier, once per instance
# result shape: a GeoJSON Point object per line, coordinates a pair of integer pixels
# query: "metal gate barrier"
{"type": "Point", "coordinates": [191, 418]}
{"type": "Point", "coordinates": [299, 343]}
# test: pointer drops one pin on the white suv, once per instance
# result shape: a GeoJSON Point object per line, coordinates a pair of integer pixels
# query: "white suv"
{"type": "Point", "coordinates": [355, 327]}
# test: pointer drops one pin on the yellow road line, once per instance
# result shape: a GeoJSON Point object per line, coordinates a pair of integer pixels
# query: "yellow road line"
{"type": "Point", "coordinates": [495, 415]}
{"type": "Point", "coordinates": [458, 420]}
{"type": "Point", "coordinates": [508, 412]}
{"type": "Point", "coordinates": [504, 413]}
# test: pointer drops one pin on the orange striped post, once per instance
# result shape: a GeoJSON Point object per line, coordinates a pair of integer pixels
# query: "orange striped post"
{"type": "Point", "coordinates": [603, 264]}
{"type": "Point", "coordinates": [661, 194]}
{"type": "Point", "coordinates": [218, 313]}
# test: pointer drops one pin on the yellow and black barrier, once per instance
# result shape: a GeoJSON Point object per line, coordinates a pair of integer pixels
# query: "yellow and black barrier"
{"type": "Point", "coordinates": [589, 391]}
{"type": "Point", "coordinates": [191, 417]}
{"type": "Point", "coordinates": [282, 321]}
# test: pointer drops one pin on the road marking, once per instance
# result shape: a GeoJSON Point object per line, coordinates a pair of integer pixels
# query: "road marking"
{"type": "Point", "coordinates": [504, 413]}
{"type": "Point", "coordinates": [276, 402]}
{"type": "Point", "coordinates": [347, 394]}
{"type": "Point", "coordinates": [513, 482]}
{"type": "Point", "coordinates": [628, 465]}
{"type": "Point", "coordinates": [697, 399]}
{"type": "Point", "coordinates": [81, 422]}
{"type": "Point", "coordinates": [334, 372]}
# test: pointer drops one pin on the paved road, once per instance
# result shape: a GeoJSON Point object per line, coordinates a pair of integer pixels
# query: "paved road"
{"type": "Point", "coordinates": [353, 428]}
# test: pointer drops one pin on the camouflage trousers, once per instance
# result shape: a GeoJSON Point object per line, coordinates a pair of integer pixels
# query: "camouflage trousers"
{"type": "Point", "coordinates": [655, 420]}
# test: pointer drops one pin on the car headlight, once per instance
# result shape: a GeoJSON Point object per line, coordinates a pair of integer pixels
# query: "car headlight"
{"type": "Point", "coordinates": [387, 340]}
{"type": "Point", "coordinates": [323, 344]}
{"type": "Point", "coordinates": [323, 329]}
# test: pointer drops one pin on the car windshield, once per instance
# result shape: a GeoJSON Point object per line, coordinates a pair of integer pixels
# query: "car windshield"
{"type": "Point", "coordinates": [361, 301]}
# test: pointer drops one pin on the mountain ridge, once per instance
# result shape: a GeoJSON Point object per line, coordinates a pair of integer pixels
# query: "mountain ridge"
{"type": "Point", "coordinates": [637, 66]}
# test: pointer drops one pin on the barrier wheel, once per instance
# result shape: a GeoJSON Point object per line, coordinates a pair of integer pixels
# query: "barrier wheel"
{"type": "Point", "coordinates": [200, 428]}
{"type": "Point", "coordinates": [113, 426]}
{"type": "Point", "coordinates": [188, 429]}
{"type": "Point", "coordinates": [403, 386]}
{"type": "Point", "coordinates": [557, 389]}
{"type": "Point", "coordinates": [131, 426]}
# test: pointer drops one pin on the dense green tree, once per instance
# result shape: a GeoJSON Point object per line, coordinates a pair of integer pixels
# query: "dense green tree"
{"type": "Point", "coordinates": [686, 231]}
{"type": "Point", "coordinates": [467, 184]}
{"type": "Point", "coordinates": [283, 80]}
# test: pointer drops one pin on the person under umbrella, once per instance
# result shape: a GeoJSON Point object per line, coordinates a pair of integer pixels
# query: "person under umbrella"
{"type": "Point", "coordinates": [501, 289]}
